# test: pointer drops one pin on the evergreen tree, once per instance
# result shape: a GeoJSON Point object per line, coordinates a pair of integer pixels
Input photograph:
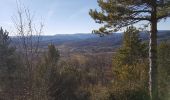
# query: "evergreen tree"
{"type": "Point", "coordinates": [64, 85]}
{"type": "Point", "coordinates": [132, 50]}
{"type": "Point", "coordinates": [53, 55]}
{"type": "Point", "coordinates": [164, 70]}
{"type": "Point", "coordinates": [46, 72]}
{"type": "Point", "coordinates": [116, 14]}
{"type": "Point", "coordinates": [8, 65]}
{"type": "Point", "coordinates": [130, 68]}
{"type": "Point", "coordinates": [60, 82]}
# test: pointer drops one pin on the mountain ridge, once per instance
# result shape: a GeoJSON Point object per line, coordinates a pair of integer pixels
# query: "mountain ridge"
{"type": "Point", "coordinates": [92, 42]}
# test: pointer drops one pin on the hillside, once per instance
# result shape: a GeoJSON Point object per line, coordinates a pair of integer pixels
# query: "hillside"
{"type": "Point", "coordinates": [91, 43]}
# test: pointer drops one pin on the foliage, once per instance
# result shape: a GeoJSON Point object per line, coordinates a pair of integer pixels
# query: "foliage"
{"type": "Point", "coordinates": [132, 50]}
{"type": "Point", "coordinates": [116, 14]}
{"type": "Point", "coordinates": [83, 76]}
{"type": "Point", "coordinates": [130, 68]}
{"type": "Point", "coordinates": [59, 80]}
{"type": "Point", "coordinates": [9, 66]}
{"type": "Point", "coordinates": [44, 72]}
{"type": "Point", "coordinates": [6, 51]}
{"type": "Point", "coordinates": [132, 53]}
{"type": "Point", "coordinates": [99, 92]}
{"type": "Point", "coordinates": [66, 85]}
{"type": "Point", "coordinates": [129, 94]}
{"type": "Point", "coordinates": [53, 55]}
{"type": "Point", "coordinates": [164, 70]}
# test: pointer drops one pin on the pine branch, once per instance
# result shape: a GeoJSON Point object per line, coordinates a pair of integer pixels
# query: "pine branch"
{"type": "Point", "coordinates": [163, 16]}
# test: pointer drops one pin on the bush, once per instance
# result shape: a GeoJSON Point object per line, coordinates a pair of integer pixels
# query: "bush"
{"type": "Point", "coordinates": [129, 95]}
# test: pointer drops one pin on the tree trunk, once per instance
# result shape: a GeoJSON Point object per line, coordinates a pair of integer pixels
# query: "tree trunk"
{"type": "Point", "coordinates": [153, 79]}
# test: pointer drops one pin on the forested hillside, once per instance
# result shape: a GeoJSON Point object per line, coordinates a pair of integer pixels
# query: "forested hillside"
{"type": "Point", "coordinates": [125, 57]}
{"type": "Point", "coordinates": [91, 43]}
{"type": "Point", "coordinates": [118, 73]}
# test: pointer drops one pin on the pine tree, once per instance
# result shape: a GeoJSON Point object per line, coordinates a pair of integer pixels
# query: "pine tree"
{"type": "Point", "coordinates": [164, 70]}
{"type": "Point", "coordinates": [61, 82]}
{"type": "Point", "coordinates": [47, 72]}
{"type": "Point", "coordinates": [53, 55]}
{"type": "Point", "coordinates": [116, 14]}
{"type": "Point", "coordinates": [130, 67]}
{"type": "Point", "coordinates": [8, 64]}
{"type": "Point", "coordinates": [132, 50]}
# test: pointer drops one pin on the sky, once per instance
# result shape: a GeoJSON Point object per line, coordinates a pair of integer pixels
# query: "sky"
{"type": "Point", "coordinates": [58, 16]}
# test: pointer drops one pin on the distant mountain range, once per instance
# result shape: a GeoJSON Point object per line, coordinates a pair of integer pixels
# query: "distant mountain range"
{"type": "Point", "coordinates": [92, 42]}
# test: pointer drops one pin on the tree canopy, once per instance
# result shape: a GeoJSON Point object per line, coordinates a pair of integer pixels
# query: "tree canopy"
{"type": "Point", "coordinates": [116, 14]}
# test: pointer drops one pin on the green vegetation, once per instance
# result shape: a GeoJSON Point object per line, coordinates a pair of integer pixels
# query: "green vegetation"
{"type": "Point", "coordinates": [130, 68]}
{"type": "Point", "coordinates": [116, 14]}
{"type": "Point", "coordinates": [10, 67]}
{"type": "Point", "coordinates": [83, 77]}
{"type": "Point", "coordinates": [164, 70]}
{"type": "Point", "coordinates": [129, 72]}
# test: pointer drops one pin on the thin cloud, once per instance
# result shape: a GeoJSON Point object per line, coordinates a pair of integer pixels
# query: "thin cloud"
{"type": "Point", "coordinates": [83, 11]}
{"type": "Point", "coordinates": [52, 9]}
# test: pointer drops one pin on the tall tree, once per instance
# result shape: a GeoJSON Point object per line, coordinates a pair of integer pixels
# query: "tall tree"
{"type": "Point", "coordinates": [62, 81]}
{"type": "Point", "coordinates": [130, 68]}
{"type": "Point", "coordinates": [8, 64]}
{"type": "Point", "coordinates": [164, 70]}
{"type": "Point", "coordinates": [46, 72]}
{"type": "Point", "coordinates": [116, 14]}
{"type": "Point", "coordinates": [53, 55]}
{"type": "Point", "coordinates": [132, 50]}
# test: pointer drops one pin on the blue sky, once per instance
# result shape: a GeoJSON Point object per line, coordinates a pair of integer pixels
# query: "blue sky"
{"type": "Point", "coordinates": [59, 16]}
